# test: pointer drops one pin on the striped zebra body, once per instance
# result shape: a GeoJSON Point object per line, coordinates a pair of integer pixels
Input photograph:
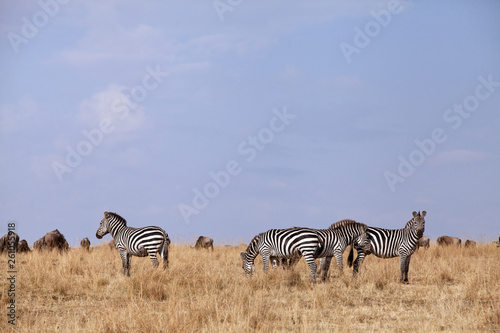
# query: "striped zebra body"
{"type": "Point", "coordinates": [389, 243]}
{"type": "Point", "coordinates": [138, 242]}
{"type": "Point", "coordinates": [282, 243]}
{"type": "Point", "coordinates": [336, 239]}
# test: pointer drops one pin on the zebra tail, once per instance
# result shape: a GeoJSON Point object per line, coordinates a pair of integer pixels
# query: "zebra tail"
{"type": "Point", "coordinates": [351, 256]}
{"type": "Point", "coordinates": [164, 247]}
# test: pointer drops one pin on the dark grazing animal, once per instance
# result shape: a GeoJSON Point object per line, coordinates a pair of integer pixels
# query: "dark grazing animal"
{"type": "Point", "coordinates": [447, 240]}
{"type": "Point", "coordinates": [389, 243]}
{"type": "Point", "coordinates": [204, 243]}
{"type": "Point", "coordinates": [130, 241]}
{"type": "Point", "coordinates": [85, 244]}
{"type": "Point", "coordinates": [23, 247]}
{"type": "Point", "coordinates": [9, 242]}
{"type": "Point", "coordinates": [52, 240]}
{"type": "Point", "coordinates": [424, 241]}
{"type": "Point", "coordinates": [470, 243]}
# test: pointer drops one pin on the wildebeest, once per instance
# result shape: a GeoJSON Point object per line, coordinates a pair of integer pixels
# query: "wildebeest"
{"type": "Point", "coordinates": [52, 240]}
{"type": "Point", "coordinates": [447, 240]}
{"type": "Point", "coordinates": [204, 243]}
{"type": "Point", "coordinates": [38, 245]}
{"type": "Point", "coordinates": [9, 242]}
{"type": "Point", "coordinates": [423, 242]}
{"type": "Point", "coordinates": [470, 243]}
{"type": "Point", "coordinates": [23, 246]}
{"type": "Point", "coordinates": [85, 244]}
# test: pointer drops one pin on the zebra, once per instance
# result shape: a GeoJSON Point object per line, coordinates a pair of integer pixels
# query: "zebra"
{"type": "Point", "coordinates": [282, 243]}
{"type": "Point", "coordinates": [336, 239]}
{"type": "Point", "coordinates": [130, 241]}
{"type": "Point", "coordinates": [387, 243]}
{"type": "Point", "coordinates": [310, 243]}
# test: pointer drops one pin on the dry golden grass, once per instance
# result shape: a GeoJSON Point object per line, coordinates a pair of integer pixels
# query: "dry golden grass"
{"type": "Point", "coordinates": [451, 290]}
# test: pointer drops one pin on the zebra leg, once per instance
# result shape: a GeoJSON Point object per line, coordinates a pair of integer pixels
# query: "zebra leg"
{"type": "Point", "coordinates": [321, 266]}
{"type": "Point", "coordinates": [312, 265]}
{"type": "Point", "coordinates": [125, 262]}
{"type": "Point", "coordinates": [293, 261]}
{"type": "Point", "coordinates": [324, 267]}
{"type": "Point", "coordinates": [405, 265]}
{"type": "Point", "coordinates": [357, 263]}
{"type": "Point", "coordinates": [154, 259]}
{"type": "Point", "coordinates": [274, 262]}
{"type": "Point", "coordinates": [265, 260]}
{"type": "Point", "coordinates": [338, 257]}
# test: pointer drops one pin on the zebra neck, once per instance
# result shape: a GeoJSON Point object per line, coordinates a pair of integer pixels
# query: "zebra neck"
{"type": "Point", "coordinates": [252, 252]}
{"type": "Point", "coordinates": [116, 229]}
{"type": "Point", "coordinates": [347, 235]}
{"type": "Point", "coordinates": [413, 237]}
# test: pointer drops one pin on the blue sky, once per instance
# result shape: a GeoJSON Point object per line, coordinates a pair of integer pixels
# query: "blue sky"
{"type": "Point", "coordinates": [226, 119]}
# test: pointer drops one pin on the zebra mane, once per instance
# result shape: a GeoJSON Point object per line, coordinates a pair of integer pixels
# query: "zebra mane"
{"type": "Point", "coordinates": [345, 223]}
{"type": "Point", "coordinates": [409, 223]}
{"type": "Point", "coordinates": [253, 242]}
{"type": "Point", "coordinates": [116, 216]}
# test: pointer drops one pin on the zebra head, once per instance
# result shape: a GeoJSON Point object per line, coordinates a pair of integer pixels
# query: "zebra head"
{"type": "Point", "coordinates": [247, 264]}
{"type": "Point", "coordinates": [103, 227]}
{"type": "Point", "coordinates": [417, 224]}
{"type": "Point", "coordinates": [362, 240]}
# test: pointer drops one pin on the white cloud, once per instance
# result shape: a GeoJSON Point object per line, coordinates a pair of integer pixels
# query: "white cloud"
{"type": "Point", "coordinates": [114, 105]}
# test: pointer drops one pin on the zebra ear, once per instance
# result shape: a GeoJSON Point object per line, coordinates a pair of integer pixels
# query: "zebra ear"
{"type": "Point", "coordinates": [414, 214]}
{"type": "Point", "coordinates": [424, 213]}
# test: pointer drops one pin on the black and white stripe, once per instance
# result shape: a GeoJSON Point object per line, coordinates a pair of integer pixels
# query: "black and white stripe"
{"type": "Point", "coordinates": [138, 242]}
{"type": "Point", "coordinates": [389, 243]}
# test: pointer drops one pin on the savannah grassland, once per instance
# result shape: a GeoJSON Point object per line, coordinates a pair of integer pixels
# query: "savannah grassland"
{"type": "Point", "coordinates": [451, 290]}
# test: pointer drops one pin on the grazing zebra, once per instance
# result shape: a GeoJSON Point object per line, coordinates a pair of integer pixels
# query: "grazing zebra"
{"type": "Point", "coordinates": [282, 243]}
{"type": "Point", "coordinates": [336, 239]}
{"type": "Point", "coordinates": [386, 243]}
{"type": "Point", "coordinates": [130, 241]}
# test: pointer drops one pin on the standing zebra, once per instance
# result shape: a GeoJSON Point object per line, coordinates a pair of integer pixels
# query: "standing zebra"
{"type": "Point", "coordinates": [386, 243]}
{"type": "Point", "coordinates": [336, 239]}
{"type": "Point", "coordinates": [130, 241]}
{"type": "Point", "coordinates": [282, 243]}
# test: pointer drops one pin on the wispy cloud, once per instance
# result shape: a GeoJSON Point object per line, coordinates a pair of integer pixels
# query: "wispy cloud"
{"type": "Point", "coordinates": [114, 105]}
{"type": "Point", "coordinates": [459, 156]}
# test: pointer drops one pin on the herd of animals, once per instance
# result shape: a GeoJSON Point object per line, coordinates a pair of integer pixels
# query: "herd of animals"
{"type": "Point", "coordinates": [276, 246]}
